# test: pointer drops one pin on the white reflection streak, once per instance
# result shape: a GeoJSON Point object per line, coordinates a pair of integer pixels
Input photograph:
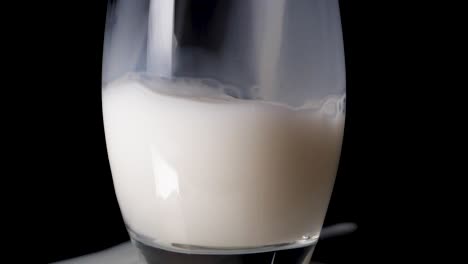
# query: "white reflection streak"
{"type": "Point", "coordinates": [165, 177]}
{"type": "Point", "coordinates": [161, 37]}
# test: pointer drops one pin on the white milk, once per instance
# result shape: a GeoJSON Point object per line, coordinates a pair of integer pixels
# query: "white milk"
{"type": "Point", "coordinates": [194, 166]}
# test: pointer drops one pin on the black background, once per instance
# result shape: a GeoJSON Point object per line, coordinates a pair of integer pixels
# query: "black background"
{"type": "Point", "coordinates": [82, 214]}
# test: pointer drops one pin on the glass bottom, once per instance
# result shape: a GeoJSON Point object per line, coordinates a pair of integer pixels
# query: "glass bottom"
{"type": "Point", "coordinates": [281, 254]}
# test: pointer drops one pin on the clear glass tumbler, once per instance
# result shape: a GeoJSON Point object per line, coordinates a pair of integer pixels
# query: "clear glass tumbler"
{"type": "Point", "coordinates": [224, 123]}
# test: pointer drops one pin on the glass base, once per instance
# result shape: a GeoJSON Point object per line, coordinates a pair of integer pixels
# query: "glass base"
{"type": "Point", "coordinates": [156, 255]}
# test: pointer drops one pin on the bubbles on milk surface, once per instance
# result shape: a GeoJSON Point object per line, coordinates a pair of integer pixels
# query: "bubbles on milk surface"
{"type": "Point", "coordinates": [210, 90]}
{"type": "Point", "coordinates": [181, 87]}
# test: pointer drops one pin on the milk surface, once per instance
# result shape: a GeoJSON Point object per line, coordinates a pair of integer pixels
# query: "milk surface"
{"type": "Point", "coordinates": [193, 165]}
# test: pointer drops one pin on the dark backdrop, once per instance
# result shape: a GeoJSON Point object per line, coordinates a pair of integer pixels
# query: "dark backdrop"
{"type": "Point", "coordinates": [83, 215]}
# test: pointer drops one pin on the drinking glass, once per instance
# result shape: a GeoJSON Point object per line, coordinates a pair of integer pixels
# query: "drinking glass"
{"type": "Point", "coordinates": [223, 123]}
